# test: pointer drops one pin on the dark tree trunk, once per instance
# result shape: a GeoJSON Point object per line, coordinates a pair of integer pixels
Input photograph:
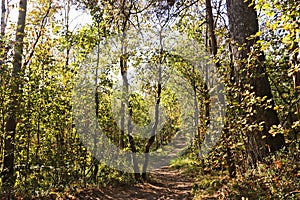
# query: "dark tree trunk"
{"type": "Point", "coordinates": [243, 23]}
{"type": "Point", "coordinates": [125, 101]}
{"type": "Point", "coordinates": [132, 145]}
{"type": "Point", "coordinates": [8, 179]}
{"type": "Point", "coordinates": [3, 17]}
{"type": "Point", "coordinates": [214, 50]}
{"type": "Point", "coordinates": [124, 93]}
{"type": "Point", "coordinates": [125, 14]}
{"type": "Point", "coordinates": [154, 128]}
{"type": "Point", "coordinates": [294, 52]}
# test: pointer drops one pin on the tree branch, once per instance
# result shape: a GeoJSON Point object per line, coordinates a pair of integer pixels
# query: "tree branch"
{"type": "Point", "coordinates": [38, 37]}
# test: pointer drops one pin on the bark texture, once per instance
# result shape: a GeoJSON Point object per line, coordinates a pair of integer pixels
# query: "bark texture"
{"type": "Point", "coordinates": [8, 178]}
{"type": "Point", "coordinates": [243, 24]}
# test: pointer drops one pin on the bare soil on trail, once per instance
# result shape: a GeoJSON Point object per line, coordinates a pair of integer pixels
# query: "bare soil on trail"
{"type": "Point", "coordinates": [164, 184]}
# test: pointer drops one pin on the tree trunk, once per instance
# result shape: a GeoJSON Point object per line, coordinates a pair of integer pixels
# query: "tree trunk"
{"type": "Point", "coordinates": [154, 127]}
{"type": "Point", "coordinates": [156, 111]}
{"type": "Point", "coordinates": [125, 101]}
{"type": "Point", "coordinates": [95, 137]}
{"type": "Point", "coordinates": [8, 179]}
{"type": "Point", "coordinates": [3, 55]}
{"type": "Point", "coordinates": [124, 93]}
{"type": "Point", "coordinates": [214, 50]}
{"type": "Point", "coordinates": [132, 144]}
{"type": "Point", "coordinates": [3, 17]}
{"type": "Point", "coordinates": [243, 23]}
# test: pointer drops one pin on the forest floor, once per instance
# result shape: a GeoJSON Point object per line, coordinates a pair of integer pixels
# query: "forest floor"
{"type": "Point", "coordinates": [165, 183]}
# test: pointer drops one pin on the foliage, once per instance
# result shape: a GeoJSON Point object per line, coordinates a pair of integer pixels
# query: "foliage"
{"type": "Point", "coordinates": [276, 178]}
{"type": "Point", "coordinates": [50, 156]}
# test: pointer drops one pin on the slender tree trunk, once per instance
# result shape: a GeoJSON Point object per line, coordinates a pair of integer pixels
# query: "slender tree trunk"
{"type": "Point", "coordinates": [214, 50]}
{"type": "Point", "coordinates": [132, 144]}
{"type": "Point", "coordinates": [125, 16]}
{"type": "Point", "coordinates": [154, 127]}
{"type": "Point", "coordinates": [3, 17]}
{"type": "Point", "coordinates": [3, 59]}
{"type": "Point", "coordinates": [244, 23]}
{"type": "Point", "coordinates": [198, 134]}
{"type": "Point", "coordinates": [125, 101]}
{"type": "Point", "coordinates": [123, 67]}
{"type": "Point", "coordinates": [96, 140]}
{"type": "Point", "coordinates": [156, 112]}
{"type": "Point", "coordinates": [2, 34]}
{"type": "Point", "coordinates": [8, 179]}
{"type": "Point", "coordinates": [122, 109]}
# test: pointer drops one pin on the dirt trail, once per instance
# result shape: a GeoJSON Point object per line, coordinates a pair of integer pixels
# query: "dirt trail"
{"type": "Point", "coordinates": [164, 184]}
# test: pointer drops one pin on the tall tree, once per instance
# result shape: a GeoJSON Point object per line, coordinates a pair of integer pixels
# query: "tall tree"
{"type": "Point", "coordinates": [156, 110]}
{"type": "Point", "coordinates": [8, 179]}
{"type": "Point", "coordinates": [243, 24]}
{"type": "Point", "coordinates": [3, 17]}
{"type": "Point", "coordinates": [125, 14]}
{"type": "Point", "coordinates": [214, 51]}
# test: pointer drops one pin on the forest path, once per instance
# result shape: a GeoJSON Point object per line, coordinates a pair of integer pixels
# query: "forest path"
{"type": "Point", "coordinates": [165, 183]}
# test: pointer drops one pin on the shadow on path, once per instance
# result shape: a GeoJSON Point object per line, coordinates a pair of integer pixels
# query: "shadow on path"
{"type": "Point", "coordinates": [164, 183]}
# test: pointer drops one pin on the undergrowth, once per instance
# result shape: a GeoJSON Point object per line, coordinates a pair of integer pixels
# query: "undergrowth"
{"type": "Point", "coordinates": [278, 177]}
